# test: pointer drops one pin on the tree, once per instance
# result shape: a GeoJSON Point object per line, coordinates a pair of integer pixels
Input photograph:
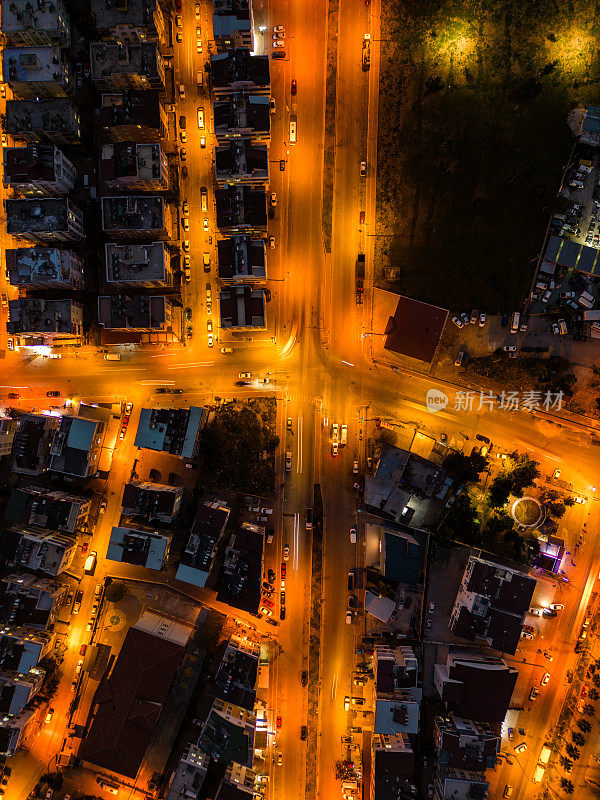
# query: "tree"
{"type": "Point", "coordinates": [569, 501]}
{"type": "Point", "coordinates": [464, 469]}
{"type": "Point", "coordinates": [572, 752]}
{"type": "Point", "coordinates": [584, 725]}
{"type": "Point", "coordinates": [596, 680]}
{"type": "Point", "coordinates": [567, 785]}
{"type": "Point", "coordinates": [588, 710]}
{"type": "Point", "coordinates": [556, 509]}
{"type": "Point", "coordinates": [461, 522]}
{"type": "Point", "coordinates": [499, 491]}
{"type": "Point", "coordinates": [524, 472]}
{"type": "Point", "coordinates": [593, 694]}
{"type": "Point", "coordinates": [566, 763]}
{"type": "Point", "coordinates": [578, 738]}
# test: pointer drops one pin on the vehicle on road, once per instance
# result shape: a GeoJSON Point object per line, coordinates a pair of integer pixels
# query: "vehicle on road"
{"type": "Point", "coordinates": [346, 703]}
{"type": "Point", "coordinates": [279, 722]}
{"type": "Point", "coordinates": [520, 748]}
{"type": "Point", "coordinates": [511, 734]}
{"type": "Point", "coordinates": [482, 319]}
{"type": "Point", "coordinates": [355, 467]}
{"type": "Point", "coordinates": [352, 535]}
{"type": "Point", "coordinates": [303, 732]}
{"type": "Point", "coordinates": [534, 693]}
{"type": "Point", "coordinates": [286, 552]}
{"type": "Point", "coordinates": [556, 606]}
{"type": "Point", "coordinates": [363, 169]}
{"type": "Point", "coordinates": [288, 462]}
{"type": "Point", "coordinates": [556, 473]}
{"type": "Point", "coordinates": [49, 715]}
{"type": "Point", "coordinates": [304, 678]}
{"type": "Point", "coordinates": [294, 88]}
{"type": "Point", "coordinates": [431, 608]}
{"type": "Point", "coordinates": [545, 679]}
{"type": "Point", "coordinates": [200, 118]}
{"type": "Point", "coordinates": [283, 571]}
{"type": "Point", "coordinates": [53, 393]}
{"type": "Point", "coordinates": [90, 563]}
{"type": "Point", "coordinates": [334, 449]}
{"type": "Point", "coordinates": [279, 759]}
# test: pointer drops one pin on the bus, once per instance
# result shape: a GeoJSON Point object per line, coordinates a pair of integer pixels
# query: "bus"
{"type": "Point", "coordinates": [293, 130]}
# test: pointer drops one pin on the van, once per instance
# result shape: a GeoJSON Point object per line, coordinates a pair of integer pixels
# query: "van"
{"type": "Point", "coordinates": [90, 563]}
{"type": "Point", "coordinates": [293, 130]}
{"type": "Point", "coordinates": [182, 91]}
{"type": "Point", "coordinates": [516, 318]}
{"type": "Point", "coordinates": [201, 118]}
{"type": "Point", "coordinates": [98, 591]}
{"type": "Point", "coordinates": [538, 774]}
{"type": "Point", "coordinates": [586, 300]}
{"type": "Point", "coordinates": [562, 327]}
{"type": "Point", "coordinates": [350, 581]}
{"type": "Point", "coordinates": [200, 78]}
{"type": "Point", "coordinates": [112, 357]}
{"type": "Point", "coordinates": [204, 198]}
{"type": "Point", "coordinates": [309, 519]}
{"type": "Point", "coordinates": [508, 790]}
{"type": "Point", "coordinates": [343, 434]}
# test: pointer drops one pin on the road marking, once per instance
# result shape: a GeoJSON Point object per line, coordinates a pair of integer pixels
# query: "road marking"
{"type": "Point", "coordinates": [299, 458]}
{"type": "Point", "coordinates": [296, 539]}
{"type": "Point", "coordinates": [154, 383]}
{"type": "Point", "coordinates": [193, 364]}
{"type": "Point", "coordinates": [333, 687]}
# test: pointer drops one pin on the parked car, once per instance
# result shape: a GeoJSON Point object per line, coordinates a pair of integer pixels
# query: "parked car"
{"type": "Point", "coordinates": [457, 321]}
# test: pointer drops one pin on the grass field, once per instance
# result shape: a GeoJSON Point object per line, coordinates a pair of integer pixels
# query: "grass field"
{"type": "Point", "coordinates": [473, 138]}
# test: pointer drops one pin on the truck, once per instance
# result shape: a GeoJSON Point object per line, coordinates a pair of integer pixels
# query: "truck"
{"type": "Point", "coordinates": [360, 277]}
{"type": "Point", "coordinates": [366, 52]}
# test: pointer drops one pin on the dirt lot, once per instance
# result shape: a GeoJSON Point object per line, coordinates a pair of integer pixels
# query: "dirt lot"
{"type": "Point", "coordinates": [473, 139]}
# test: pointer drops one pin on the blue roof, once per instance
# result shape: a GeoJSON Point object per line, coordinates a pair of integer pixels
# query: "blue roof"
{"type": "Point", "coordinates": [81, 434]}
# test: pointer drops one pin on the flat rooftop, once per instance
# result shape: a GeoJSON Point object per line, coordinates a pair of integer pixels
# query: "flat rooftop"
{"type": "Point", "coordinates": [242, 111]}
{"type": "Point", "coordinates": [23, 15]}
{"type": "Point", "coordinates": [241, 206]}
{"type": "Point", "coordinates": [54, 115]}
{"type": "Point", "coordinates": [134, 212]}
{"type": "Point", "coordinates": [35, 162]}
{"type": "Point", "coordinates": [44, 214]}
{"type": "Point", "coordinates": [110, 58]}
{"type": "Point", "coordinates": [241, 257]}
{"type": "Point", "coordinates": [132, 160]}
{"type": "Point", "coordinates": [125, 311]}
{"type": "Point", "coordinates": [240, 157]}
{"type": "Point", "coordinates": [131, 107]}
{"type": "Point", "coordinates": [48, 264]}
{"type": "Point", "coordinates": [36, 315]}
{"type": "Point", "coordinates": [135, 262]}
{"type": "Point", "coordinates": [136, 13]}
{"type": "Point", "coordinates": [38, 64]}
{"type": "Point", "coordinates": [242, 307]}
{"type": "Point", "coordinates": [238, 68]}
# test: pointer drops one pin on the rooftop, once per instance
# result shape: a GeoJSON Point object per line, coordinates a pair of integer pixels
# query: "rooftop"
{"type": "Point", "coordinates": [235, 681]}
{"type": "Point", "coordinates": [240, 577]}
{"type": "Point", "coordinates": [151, 501]}
{"type": "Point", "coordinates": [48, 264]}
{"type": "Point", "coordinates": [35, 162]}
{"type": "Point", "coordinates": [22, 15]}
{"type": "Point", "coordinates": [39, 215]}
{"type": "Point", "coordinates": [129, 701]}
{"type": "Point", "coordinates": [141, 548]}
{"type": "Point", "coordinates": [241, 206]}
{"type": "Point", "coordinates": [242, 307]}
{"type": "Point", "coordinates": [242, 112]}
{"type": "Point", "coordinates": [110, 58]}
{"type": "Point", "coordinates": [196, 560]}
{"type": "Point", "coordinates": [38, 64]}
{"type": "Point", "coordinates": [237, 68]}
{"type": "Point", "coordinates": [31, 445]}
{"type": "Point", "coordinates": [134, 160]}
{"type": "Point", "coordinates": [241, 257]}
{"type": "Point", "coordinates": [134, 13]}
{"type": "Point", "coordinates": [26, 600]}
{"type": "Point", "coordinates": [52, 509]}
{"type": "Point", "coordinates": [53, 115]}
{"type": "Point", "coordinates": [35, 315]}
{"type": "Point", "coordinates": [172, 430]}
{"type": "Point", "coordinates": [134, 212]}
{"type": "Point", "coordinates": [132, 311]}
{"type": "Point", "coordinates": [240, 158]}
{"type": "Point", "coordinates": [131, 107]}
{"type": "Point", "coordinates": [136, 262]}
{"type": "Point", "coordinates": [415, 329]}
{"type": "Point", "coordinates": [74, 445]}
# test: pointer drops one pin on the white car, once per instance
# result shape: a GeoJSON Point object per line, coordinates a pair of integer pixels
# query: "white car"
{"type": "Point", "coordinates": [577, 498]}
{"type": "Point", "coordinates": [179, 37]}
{"type": "Point", "coordinates": [536, 612]}
{"type": "Point", "coordinates": [526, 635]}
{"type": "Point", "coordinates": [348, 617]}
{"type": "Point", "coordinates": [355, 468]}
{"type": "Point", "coordinates": [278, 28]}
{"type": "Point", "coordinates": [346, 703]}
{"type": "Point", "coordinates": [556, 606]}
{"type": "Point", "coordinates": [272, 241]}
{"type": "Point", "coordinates": [457, 321]}
{"type": "Point", "coordinates": [211, 341]}
{"type": "Point", "coordinates": [482, 319]}
{"type": "Point", "coordinates": [520, 748]}
{"type": "Point", "coordinates": [555, 329]}
{"type": "Point", "coordinates": [545, 679]}
{"type": "Point", "coordinates": [273, 199]}
{"type": "Point", "coordinates": [205, 223]}
{"type": "Point", "coordinates": [197, 10]}
{"type": "Point", "coordinates": [278, 44]}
